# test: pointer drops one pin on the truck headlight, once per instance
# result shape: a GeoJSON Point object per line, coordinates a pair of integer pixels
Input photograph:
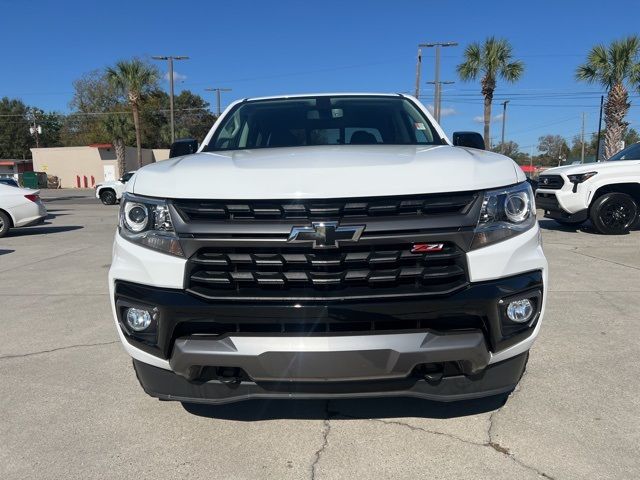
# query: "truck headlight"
{"type": "Point", "coordinates": [147, 222]}
{"type": "Point", "coordinates": [505, 212]}
{"type": "Point", "coordinates": [581, 177]}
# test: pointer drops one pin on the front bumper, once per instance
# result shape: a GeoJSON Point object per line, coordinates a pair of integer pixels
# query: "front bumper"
{"type": "Point", "coordinates": [548, 201]}
{"type": "Point", "coordinates": [428, 347]}
{"type": "Point", "coordinates": [496, 379]}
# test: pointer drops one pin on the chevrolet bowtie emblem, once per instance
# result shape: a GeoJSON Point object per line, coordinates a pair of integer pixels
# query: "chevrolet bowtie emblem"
{"type": "Point", "coordinates": [326, 234]}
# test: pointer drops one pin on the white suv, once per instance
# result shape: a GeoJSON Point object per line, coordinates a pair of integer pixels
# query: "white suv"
{"type": "Point", "coordinates": [607, 193]}
{"type": "Point", "coordinates": [334, 245]}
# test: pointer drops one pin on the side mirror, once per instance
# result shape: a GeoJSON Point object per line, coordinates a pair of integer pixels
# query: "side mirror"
{"type": "Point", "coordinates": [183, 146]}
{"type": "Point", "coordinates": [468, 139]}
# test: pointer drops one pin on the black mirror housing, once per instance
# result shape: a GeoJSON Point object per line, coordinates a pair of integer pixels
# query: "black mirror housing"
{"type": "Point", "coordinates": [183, 146]}
{"type": "Point", "coordinates": [468, 139]}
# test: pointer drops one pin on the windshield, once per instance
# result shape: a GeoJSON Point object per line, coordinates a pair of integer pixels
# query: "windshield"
{"type": "Point", "coordinates": [323, 120]}
{"type": "Point", "coordinates": [632, 152]}
{"type": "Point", "coordinates": [125, 178]}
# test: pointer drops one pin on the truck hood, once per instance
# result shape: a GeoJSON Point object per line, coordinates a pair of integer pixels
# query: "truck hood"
{"type": "Point", "coordinates": [326, 172]}
{"type": "Point", "coordinates": [589, 167]}
{"type": "Point", "coordinates": [110, 183]}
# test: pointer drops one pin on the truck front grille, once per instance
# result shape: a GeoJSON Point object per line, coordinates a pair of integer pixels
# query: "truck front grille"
{"type": "Point", "coordinates": [352, 271]}
{"type": "Point", "coordinates": [551, 182]}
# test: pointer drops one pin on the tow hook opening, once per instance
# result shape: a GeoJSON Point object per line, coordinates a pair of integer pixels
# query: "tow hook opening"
{"type": "Point", "coordinates": [226, 375]}
{"type": "Point", "coordinates": [433, 373]}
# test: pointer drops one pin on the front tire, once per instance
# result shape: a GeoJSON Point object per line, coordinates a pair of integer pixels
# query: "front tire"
{"type": "Point", "coordinates": [614, 213]}
{"type": "Point", "coordinates": [5, 224]}
{"type": "Point", "coordinates": [108, 197]}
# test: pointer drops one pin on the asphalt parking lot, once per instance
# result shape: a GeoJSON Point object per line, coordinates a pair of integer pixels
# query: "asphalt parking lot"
{"type": "Point", "coordinates": [71, 407]}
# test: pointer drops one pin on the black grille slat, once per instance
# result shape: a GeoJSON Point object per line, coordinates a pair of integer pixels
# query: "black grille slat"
{"type": "Point", "coordinates": [356, 268]}
{"type": "Point", "coordinates": [418, 205]}
{"type": "Point", "coordinates": [551, 182]}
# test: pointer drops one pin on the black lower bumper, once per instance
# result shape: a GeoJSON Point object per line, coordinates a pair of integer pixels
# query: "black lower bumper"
{"type": "Point", "coordinates": [495, 379]}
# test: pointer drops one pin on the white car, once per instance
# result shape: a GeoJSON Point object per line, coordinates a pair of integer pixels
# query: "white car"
{"type": "Point", "coordinates": [328, 246]}
{"type": "Point", "coordinates": [19, 207]}
{"type": "Point", "coordinates": [607, 193]}
{"type": "Point", "coordinates": [110, 193]}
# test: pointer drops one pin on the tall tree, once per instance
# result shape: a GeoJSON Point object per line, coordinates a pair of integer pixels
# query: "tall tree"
{"type": "Point", "coordinates": [93, 97]}
{"type": "Point", "coordinates": [553, 148]}
{"type": "Point", "coordinates": [616, 68]}
{"type": "Point", "coordinates": [118, 127]}
{"type": "Point", "coordinates": [134, 78]}
{"type": "Point", "coordinates": [15, 139]}
{"type": "Point", "coordinates": [489, 61]}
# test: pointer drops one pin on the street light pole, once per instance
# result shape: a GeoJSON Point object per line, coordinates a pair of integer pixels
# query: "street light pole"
{"type": "Point", "coordinates": [437, 90]}
{"type": "Point", "coordinates": [599, 129]}
{"type": "Point", "coordinates": [418, 71]}
{"type": "Point", "coordinates": [504, 120]}
{"type": "Point", "coordinates": [170, 60]}
{"type": "Point", "coordinates": [35, 129]}
{"type": "Point", "coordinates": [218, 90]}
{"type": "Point", "coordinates": [437, 108]}
{"type": "Point", "coordinates": [582, 140]}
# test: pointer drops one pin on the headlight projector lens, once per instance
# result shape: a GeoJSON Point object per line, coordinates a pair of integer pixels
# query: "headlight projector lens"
{"type": "Point", "coordinates": [516, 207]}
{"type": "Point", "coordinates": [520, 311]}
{"type": "Point", "coordinates": [136, 216]}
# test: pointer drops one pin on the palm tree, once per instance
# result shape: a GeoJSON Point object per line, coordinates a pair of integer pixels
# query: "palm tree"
{"type": "Point", "coordinates": [118, 127]}
{"type": "Point", "coordinates": [133, 78]}
{"type": "Point", "coordinates": [491, 60]}
{"type": "Point", "coordinates": [614, 67]}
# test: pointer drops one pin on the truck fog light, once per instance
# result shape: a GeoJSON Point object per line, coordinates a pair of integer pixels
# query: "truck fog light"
{"type": "Point", "coordinates": [138, 319]}
{"type": "Point", "coordinates": [520, 311]}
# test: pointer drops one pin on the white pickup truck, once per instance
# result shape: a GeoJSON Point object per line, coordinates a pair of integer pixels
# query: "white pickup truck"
{"type": "Point", "coordinates": [328, 246]}
{"type": "Point", "coordinates": [607, 193]}
{"type": "Point", "coordinates": [111, 192]}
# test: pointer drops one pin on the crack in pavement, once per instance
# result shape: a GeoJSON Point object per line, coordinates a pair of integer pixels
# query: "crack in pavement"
{"type": "Point", "coordinates": [68, 347]}
{"type": "Point", "coordinates": [490, 443]}
{"type": "Point", "coordinates": [575, 250]}
{"type": "Point", "coordinates": [22, 265]}
{"type": "Point", "coordinates": [325, 440]}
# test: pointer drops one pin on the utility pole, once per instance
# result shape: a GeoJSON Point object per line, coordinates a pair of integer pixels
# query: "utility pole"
{"type": "Point", "coordinates": [170, 60]}
{"type": "Point", "coordinates": [35, 129]}
{"type": "Point", "coordinates": [599, 129]}
{"type": "Point", "coordinates": [436, 93]}
{"type": "Point", "coordinates": [582, 140]}
{"type": "Point", "coordinates": [218, 90]}
{"type": "Point", "coordinates": [418, 70]}
{"type": "Point", "coordinates": [437, 107]}
{"type": "Point", "coordinates": [504, 120]}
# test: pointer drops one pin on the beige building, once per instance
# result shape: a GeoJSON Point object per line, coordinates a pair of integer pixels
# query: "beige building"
{"type": "Point", "coordinates": [84, 167]}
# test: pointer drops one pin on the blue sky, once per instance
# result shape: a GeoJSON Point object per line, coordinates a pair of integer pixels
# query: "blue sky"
{"type": "Point", "coordinates": [268, 47]}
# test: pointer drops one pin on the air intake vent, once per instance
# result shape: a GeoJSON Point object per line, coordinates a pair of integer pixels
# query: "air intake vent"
{"type": "Point", "coordinates": [422, 205]}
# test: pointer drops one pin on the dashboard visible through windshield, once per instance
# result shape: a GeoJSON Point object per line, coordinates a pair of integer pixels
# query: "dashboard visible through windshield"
{"type": "Point", "coordinates": [323, 120]}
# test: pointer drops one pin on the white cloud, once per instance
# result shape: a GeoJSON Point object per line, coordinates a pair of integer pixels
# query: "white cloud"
{"type": "Point", "coordinates": [480, 118]}
{"type": "Point", "coordinates": [447, 111]}
{"type": "Point", "coordinates": [177, 77]}
{"type": "Point", "coordinates": [444, 112]}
